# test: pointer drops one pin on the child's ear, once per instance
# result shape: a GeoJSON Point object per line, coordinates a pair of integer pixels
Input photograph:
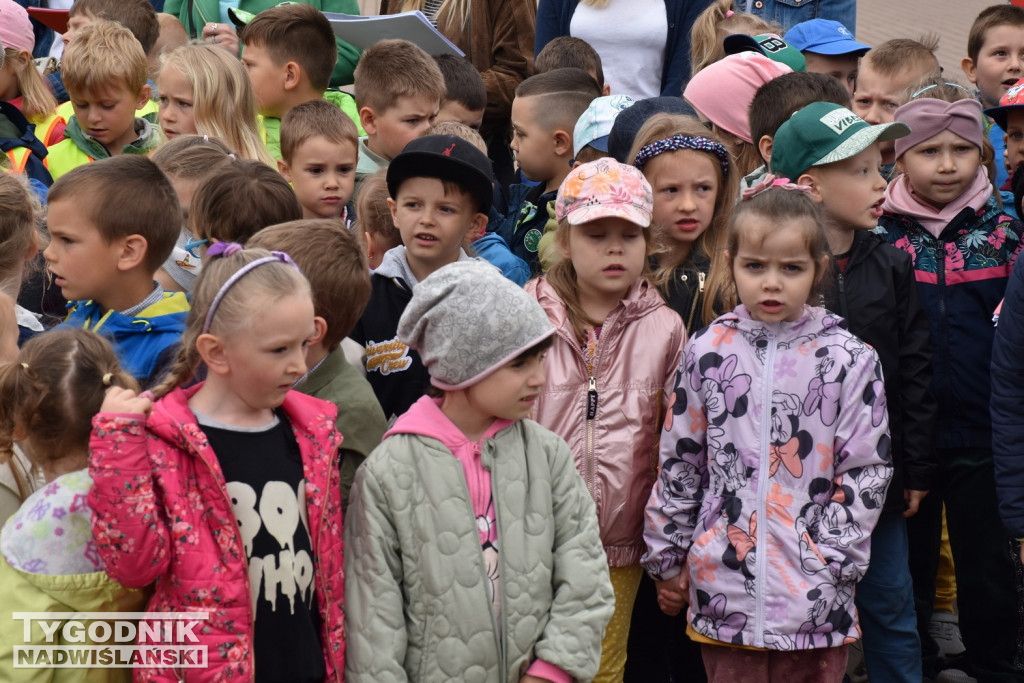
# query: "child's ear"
{"type": "Point", "coordinates": [367, 118]}
{"type": "Point", "coordinates": [562, 142]}
{"type": "Point", "coordinates": [144, 96]}
{"type": "Point", "coordinates": [292, 75]}
{"type": "Point", "coordinates": [282, 168]}
{"type": "Point", "coordinates": [133, 252]}
{"type": "Point", "coordinates": [809, 180]}
{"type": "Point", "coordinates": [212, 351]}
{"type": "Point", "coordinates": [764, 146]}
{"type": "Point", "coordinates": [900, 166]}
{"type": "Point", "coordinates": [607, 90]}
{"type": "Point", "coordinates": [319, 331]}
{"type": "Point", "coordinates": [478, 227]}
{"type": "Point", "coordinates": [393, 206]}
{"type": "Point", "coordinates": [969, 70]}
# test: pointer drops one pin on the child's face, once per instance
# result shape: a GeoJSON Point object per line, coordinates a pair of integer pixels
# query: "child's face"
{"type": "Point", "coordinates": [1000, 63]}
{"type": "Point", "coordinates": [1014, 138]}
{"type": "Point", "coordinates": [877, 97]}
{"type": "Point", "coordinates": [389, 131]}
{"type": "Point", "coordinates": [531, 143]}
{"type": "Point", "coordinates": [83, 264]}
{"type": "Point", "coordinates": [842, 67]}
{"type": "Point", "coordinates": [685, 184]}
{"type": "Point", "coordinates": [177, 115]}
{"type": "Point", "coordinates": [432, 223]}
{"type": "Point", "coordinates": [852, 190]}
{"type": "Point", "coordinates": [508, 393]}
{"type": "Point", "coordinates": [941, 168]}
{"type": "Point", "coordinates": [108, 114]}
{"type": "Point", "coordinates": [267, 78]}
{"type": "Point", "coordinates": [773, 278]}
{"type": "Point", "coordinates": [323, 175]}
{"type": "Point", "coordinates": [75, 24]}
{"type": "Point", "coordinates": [456, 111]}
{"type": "Point", "coordinates": [608, 255]}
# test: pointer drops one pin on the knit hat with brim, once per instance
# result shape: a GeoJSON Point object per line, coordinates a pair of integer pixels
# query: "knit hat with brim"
{"type": "Point", "coordinates": [467, 320]}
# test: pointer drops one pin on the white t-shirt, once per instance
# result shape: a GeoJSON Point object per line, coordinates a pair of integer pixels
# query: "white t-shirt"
{"type": "Point", "coordinates": [630, 36]}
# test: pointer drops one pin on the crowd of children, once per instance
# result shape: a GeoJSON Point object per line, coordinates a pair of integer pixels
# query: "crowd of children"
{"type": "Point", "coordinates": [725, 383]}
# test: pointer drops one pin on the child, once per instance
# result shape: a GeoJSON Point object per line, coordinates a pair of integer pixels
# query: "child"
{"type": "Point", "coordinates": [1009, 116]}
{"type": "Point", "coordinates": [884, 81]}
{"type": "Point", "coordinates": [995, 48]}
{"type": "Point", "coordinates": [206, 91]}
{"type": "Point", "coordinates": [48, 559]}
{"type": "Point", "coordinates": [544, 115]}
{"type": "Point", "coordinates": [942, 203]}
{"type": "Point", "coordinates": [225, 470]}
{"type": "Point", "coordinates": [440, 190]}
{"type": "Point", "coordinates": [373, 220]}
{"type": "Point", "coordinates": [828, 48]}
{"type": "Point", "coordinates": [466, 473]}
{"type": "Point", "coordinates": [722, 94]}
{"type": "Point", "coordinates": [775, 443]}
{"type": "Point", "coordinates": [569, 52]}
{"type": "Point", "coordinates": [629, 122]}
{"type": "Point", "coordinates": [318, 157]}
{"type": "Point", "coordinates": [720, 19]}
{"type": "Point", "coordinates": [186, 161]}
{"type": "Point", "coordinates": [398, 91]}
{"type": "Point", "coordinates": [105, 73]}
{"type": "Point", "coordinates": [616, 352]}
{"type": "Point", "coordinates": [19, 246]}
{"type": "Point", "coordinates": [20, 82]}
{"type": "Point", "coordinates": [290, 53]}
{"type": "Point", "coordinates": [334, 264]}
{"type": "Point", "coordinates": [876, 293]}
{"type": "Point", "coordinates": [465, 96]}
{"type": "Point", "coordinates": [17, 480]}
{"type": "Point", "coordinates": [104, 260]}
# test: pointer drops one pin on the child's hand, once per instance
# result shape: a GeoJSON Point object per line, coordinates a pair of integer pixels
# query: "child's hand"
{"type": "Point", "coordinates": [120, 400]}
{"type": "Point", "coordinates": [674, 593]}
{"type": "Point", "coordinates": [913, 500]}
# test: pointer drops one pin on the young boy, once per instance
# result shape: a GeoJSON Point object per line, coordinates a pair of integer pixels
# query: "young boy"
{"type": "Point", "coordinates": [465, 96]}
{"type": "Point", "coordinates": [104, 259]}
{"type": "Point", "coordinates": [828, 48]}
{"type": "Point", "coordinates": [473, 545]}
{"type": "Point", "coordinates": [105, 74]}
{"type": "Point", "coordinates": [335, 266]}
{"type": "Point", "coordinates": [887, 73]}
{"type": "Point", "coordinates": [318, 157]}
{"type": "Point", "coordinates": [399, 88]}
{"type": "Point", "coordinates": [290, 52]}
{"type": "Point", "coordinates": [544, 115]}
{"type": "Point", "coordinates": [830, 149]}
{"type": "Point", "coordinates": [568, 52]}
{"type": "Point", "coordinates": [440, 188]}
{"type": "Point", "coordinates": [994, 62]}
{"type": "Point", "coordinates": [1009, 116]}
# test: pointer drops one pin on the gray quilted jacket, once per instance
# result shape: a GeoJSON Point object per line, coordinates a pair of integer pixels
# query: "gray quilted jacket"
{"type": "Point", "coordinates": [417, 607]}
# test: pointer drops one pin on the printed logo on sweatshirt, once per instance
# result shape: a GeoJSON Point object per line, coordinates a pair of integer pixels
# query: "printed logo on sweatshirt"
{"type": "Point", "coordinates": [387, 356]}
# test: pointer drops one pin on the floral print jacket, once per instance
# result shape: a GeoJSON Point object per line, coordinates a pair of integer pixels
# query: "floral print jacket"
{"type": "Point", "coordinates": [161, 513]}
{"type": "Point", "coordinates": [774, 463]}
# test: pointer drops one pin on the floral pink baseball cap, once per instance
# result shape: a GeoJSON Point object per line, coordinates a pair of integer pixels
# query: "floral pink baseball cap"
{"type": "Point", "coordinates": [605, 189]}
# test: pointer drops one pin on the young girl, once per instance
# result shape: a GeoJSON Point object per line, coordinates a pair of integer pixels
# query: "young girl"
{"type": "Point", "coordinates": [227, 495]}
{"type": "Point", "coordinates": [775, 442]}
{"type": "Point", "coordinates": [20, 82]}
{"type": "Point", "coordinates": [475, 545]}
{"type": "Point", "coordinates": [941, 210]}
{"type": "Point", "coordinates": [721, 19]}
{"type": "Point", "coordinates": [617, 349]}
{"type": "Point", "coordinates": [48, 559]}
{"type": "Point", "coordinates": [205, 90]}
{"type": "Point", "coordinates": [688, 168]}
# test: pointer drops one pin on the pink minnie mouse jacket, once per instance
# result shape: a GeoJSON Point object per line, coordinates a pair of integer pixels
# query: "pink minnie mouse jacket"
{"type": "Point", "coordinates": [774, 464]}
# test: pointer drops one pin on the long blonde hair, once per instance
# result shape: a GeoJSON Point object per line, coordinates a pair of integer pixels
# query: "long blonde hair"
{"type": "Point", "coordinates": [719, 20]}
{"type": "Point", "coordinates": [451, 14]}
{"type": "Point", "coordinates": [37, 102]}
{"type": "Point", "coordinates": [222, 97]}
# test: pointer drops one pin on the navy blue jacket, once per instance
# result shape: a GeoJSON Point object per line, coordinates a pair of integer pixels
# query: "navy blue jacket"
{"type": "Point", "coordinates": [1007, 407]}
{"type": "Point", "coordinates": [523, 225]}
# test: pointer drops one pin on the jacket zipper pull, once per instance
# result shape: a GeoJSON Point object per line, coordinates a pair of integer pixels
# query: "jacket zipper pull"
{"type": "Point", "coordinates": [592, 399]}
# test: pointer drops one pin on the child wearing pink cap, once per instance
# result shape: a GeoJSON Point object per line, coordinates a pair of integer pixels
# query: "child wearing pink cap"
{"type": "Point", "coordinates": [20, 82]}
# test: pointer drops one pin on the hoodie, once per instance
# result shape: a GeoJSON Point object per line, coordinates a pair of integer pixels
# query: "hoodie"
{"type": "Point", "coordinates": [78, 148]}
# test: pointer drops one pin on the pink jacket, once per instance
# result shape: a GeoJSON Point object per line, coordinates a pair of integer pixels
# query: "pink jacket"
{"type": "Point", "coordinates": [161, 513]}
{"type": "Point", "coordinates": [636, 359]}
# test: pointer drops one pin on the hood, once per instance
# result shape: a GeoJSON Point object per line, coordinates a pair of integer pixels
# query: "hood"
{"type": "Point", "coordinates": [166, 315]}
{"type": "Point", "coordinates": [369, 162]}
{"type": "Point", "coordinates": [146, 138]}
{"type": "Point", "coordinates": [395, 264]}
{"type": "Point", "coordinates": [425, 418]}
{"type": "Point", "coordinates": [814, 319]}
{"type": "Point", "coordinates": [641, 299]}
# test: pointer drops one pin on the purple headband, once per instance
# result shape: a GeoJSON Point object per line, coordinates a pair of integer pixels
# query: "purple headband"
{"type": "Point", "coordinates": [695, 142]}
{"type": "Point", "coordinates": [927, 117]}
{"type": "Point", "coordinates": [225, 249]}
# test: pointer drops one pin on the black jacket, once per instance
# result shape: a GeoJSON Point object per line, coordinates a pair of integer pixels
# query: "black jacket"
{"type": "Point", "coordinates": [877, 295]}
{"type": "Point", "coordinates": [1007, 405]}
{"type": "Point", "coordinates": [684, 292]}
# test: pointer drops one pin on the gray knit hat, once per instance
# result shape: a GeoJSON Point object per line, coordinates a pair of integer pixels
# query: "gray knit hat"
{"type": "Point", "coordinates": [467, 320]}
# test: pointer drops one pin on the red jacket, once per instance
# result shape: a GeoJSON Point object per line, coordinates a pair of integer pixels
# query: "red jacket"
{"type": "Point", "coordinates": [161, 513]}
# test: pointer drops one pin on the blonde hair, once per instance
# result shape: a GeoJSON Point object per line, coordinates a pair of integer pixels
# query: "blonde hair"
{"type": "Point", "coordinates": [453, 14]}
{"type": "Point", "coordinates": [104, 54]}
{"type": "Point", "coordinates": [717, 21]}
{"type": "Point", "coordinates": [712, 240]}
{"type": "Point", "coordinates": [19, 217]}
{"type": "Point", "coordinates": [459, 130]}
{"type": "Point", "coordinates": [372, 212]}
{"type": "Point", "coordinates": [222, 97]}
{"type": "Point", "coordinates": [316, 118]}
{"type": "Point", "coordinates": [36, 99]}
{"type": "Point", "coordinates": [396, 68]}
{"type": "Point", "coordinates": [258, 288]}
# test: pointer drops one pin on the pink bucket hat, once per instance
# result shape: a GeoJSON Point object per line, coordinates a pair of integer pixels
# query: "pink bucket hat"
{"type": "Point", "coordinates": [724, 90]}
{"type": "Point", "coordinates": [15, 27]}
{"type": "Point", "coordinates": [605, 189]}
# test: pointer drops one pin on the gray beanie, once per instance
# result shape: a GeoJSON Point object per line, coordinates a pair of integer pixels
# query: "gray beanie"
{"type": "Point", "coordinates": [467, 320]}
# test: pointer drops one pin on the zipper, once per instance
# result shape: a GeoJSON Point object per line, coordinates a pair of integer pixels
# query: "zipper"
{"type": "Point", "coordinates": [331, 467]}
{"type": "Point", "coordinates": [841, 281]}
{"type": "Point", "coordinates": [696, 300]}
{"type": "Point", "coordinates": [502, 576]}
{"type": "Point", "coordinates": [590, 364]}
{"type": "Point", "coordinates": [762, 492]}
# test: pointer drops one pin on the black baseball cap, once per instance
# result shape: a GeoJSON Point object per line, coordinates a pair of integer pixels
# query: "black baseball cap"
{"type": "Point", "coordinates": [630, 120]}
{"type": "Point", "coordinates": [445, 157]}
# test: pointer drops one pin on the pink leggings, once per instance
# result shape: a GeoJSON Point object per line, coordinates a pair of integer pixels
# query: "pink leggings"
{"type": "Point", "coordinates": [733, 665]}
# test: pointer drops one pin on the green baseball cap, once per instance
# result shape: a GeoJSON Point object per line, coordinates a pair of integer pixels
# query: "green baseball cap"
{"type": "Point", "coordinates": [771, 46]}
{"type": "Point", "coordinates": [824, 133]}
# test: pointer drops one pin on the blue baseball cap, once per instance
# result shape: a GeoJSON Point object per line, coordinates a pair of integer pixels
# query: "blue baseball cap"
{"type": "Point", "coordinates": [824, 37]}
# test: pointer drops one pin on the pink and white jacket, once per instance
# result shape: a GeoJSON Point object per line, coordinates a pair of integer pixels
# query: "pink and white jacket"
{"type": "Point", "coordinates": [774, 465]}
{"type": "Point", "coordinates": [161, 513]}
